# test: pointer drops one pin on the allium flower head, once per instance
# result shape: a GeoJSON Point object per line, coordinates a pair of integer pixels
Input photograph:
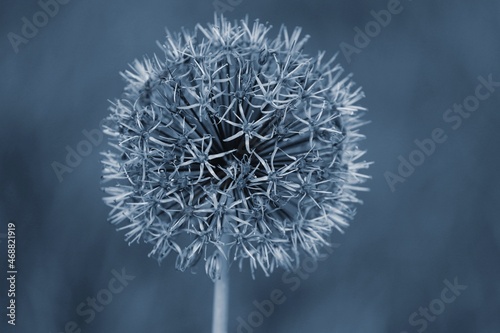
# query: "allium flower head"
{"type": "Point", "coordinates": [234, 143]}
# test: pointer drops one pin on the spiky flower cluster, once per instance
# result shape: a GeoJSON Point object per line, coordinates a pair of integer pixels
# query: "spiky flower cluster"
{"type": "Point", "coordinates": [234, 143]}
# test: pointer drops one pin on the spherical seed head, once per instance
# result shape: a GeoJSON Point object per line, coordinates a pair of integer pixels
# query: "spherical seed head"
{"type": "Point", "coordinates": [232, 144]}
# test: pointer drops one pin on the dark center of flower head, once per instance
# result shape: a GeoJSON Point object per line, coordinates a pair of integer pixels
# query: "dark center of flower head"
{"type": "Point", "coordinates": [234, 140]}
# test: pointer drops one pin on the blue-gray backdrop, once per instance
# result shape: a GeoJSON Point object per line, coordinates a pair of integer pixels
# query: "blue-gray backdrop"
{"type": "Point", "coordinates": [422, 253]}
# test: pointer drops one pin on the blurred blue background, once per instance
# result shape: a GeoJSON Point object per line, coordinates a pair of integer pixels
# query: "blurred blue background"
{"type": "Point", "coordinates": [442, 223]}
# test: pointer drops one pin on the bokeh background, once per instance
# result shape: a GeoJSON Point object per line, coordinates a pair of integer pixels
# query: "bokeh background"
{"type": "Point", "coordinates": [442, 223]}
